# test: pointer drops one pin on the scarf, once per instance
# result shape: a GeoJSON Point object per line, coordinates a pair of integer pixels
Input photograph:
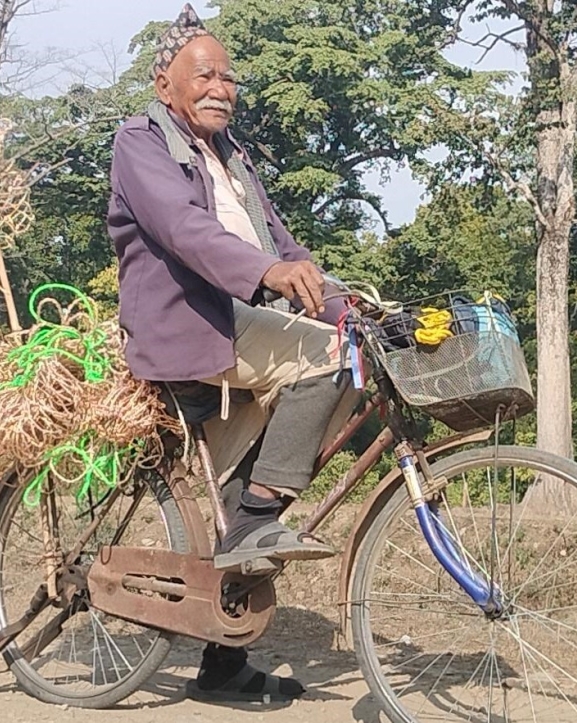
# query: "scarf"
{"type": "Point", "coordinates": [179, 148]}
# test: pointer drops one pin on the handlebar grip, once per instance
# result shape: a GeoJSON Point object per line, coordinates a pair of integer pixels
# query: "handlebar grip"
{"type": "Point", "coordinates": [269, 295]}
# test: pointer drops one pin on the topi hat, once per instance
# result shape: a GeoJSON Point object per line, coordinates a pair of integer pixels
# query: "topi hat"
{"type": "Point", "coordinates": [184, 29]}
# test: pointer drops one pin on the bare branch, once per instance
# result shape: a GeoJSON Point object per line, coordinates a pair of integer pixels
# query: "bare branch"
{"type": "Point", "coordinates": [12, 54]}
{"type": "Point", "coordinates": [325, 204]}
{"type": "Point", "coordinates": [92, 76]}
{"type": "Point", "coordinates": [264, 151]}
{"type": "Point", "coordinates": [50, 137]}
{"type": "Point", "coordinates": [347, 195]}
{"type": "Point", "coordinates": [456, 29]}
{"type": "Point", "coordinates": [21, 68]}
{"type": "Point", "coordinates": [536, 26]}
{"type": "Point", "coordinates": [495, 38]}
{"type": "Point", "coordinates": [36, 176]}
{"type": "Point", "coordinates": [520, 187]}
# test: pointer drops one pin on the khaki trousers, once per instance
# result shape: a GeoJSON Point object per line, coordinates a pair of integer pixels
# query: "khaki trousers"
{"type": "Point", "coordinates": [270, 356]}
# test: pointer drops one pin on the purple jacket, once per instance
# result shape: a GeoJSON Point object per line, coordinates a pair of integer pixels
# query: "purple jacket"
{"type": "Point", "coordinates": [178, 266]}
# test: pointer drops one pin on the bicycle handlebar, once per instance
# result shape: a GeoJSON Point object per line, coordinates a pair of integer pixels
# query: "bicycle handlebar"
{"type": "Point", "coordinates": [268, 295]}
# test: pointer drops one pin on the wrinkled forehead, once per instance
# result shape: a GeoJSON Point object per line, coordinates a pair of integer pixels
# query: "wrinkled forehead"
{"type": "Point", "coordinates": [204, 54]}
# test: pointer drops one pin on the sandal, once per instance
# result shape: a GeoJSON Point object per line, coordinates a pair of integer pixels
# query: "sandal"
{"type": "Point", "coordinates": [273, 541]}
{"type": "Point", "coordinates": [248, 685]}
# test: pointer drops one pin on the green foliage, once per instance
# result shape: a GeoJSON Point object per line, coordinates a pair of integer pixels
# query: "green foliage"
{"type": "Point", "coordinates": [134, 88]}
{"type": "Point", "coordinates": [469, 237]}
{"type": "Point", "coordinates": [330, 90]}
{"type": "Point", "coordinates": [336, 469]}
{"type": "Point", "coordinates": [103, 288]}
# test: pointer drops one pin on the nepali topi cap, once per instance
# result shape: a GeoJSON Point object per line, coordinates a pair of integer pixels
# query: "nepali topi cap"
{"type": "Point", "coordinates": [184, 29]}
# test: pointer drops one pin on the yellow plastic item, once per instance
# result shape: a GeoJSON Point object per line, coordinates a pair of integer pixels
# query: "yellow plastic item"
{"type": "Point", "coordinates": [432, 337]}
{"type": "Point", "coordinates": [436, 325]}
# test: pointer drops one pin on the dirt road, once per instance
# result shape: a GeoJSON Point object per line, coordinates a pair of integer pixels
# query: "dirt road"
{"type": "Point", "coordinates": [336, 691]}
{"type": "Point", "coordinates": [442, 653]}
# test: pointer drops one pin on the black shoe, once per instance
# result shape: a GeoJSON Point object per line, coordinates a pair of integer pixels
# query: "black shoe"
{"type": "Point", "coordinates": [225, 676]}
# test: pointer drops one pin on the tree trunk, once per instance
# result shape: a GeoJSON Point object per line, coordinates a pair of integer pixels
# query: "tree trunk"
{"type": "Point", "coordinates": [556, 128]}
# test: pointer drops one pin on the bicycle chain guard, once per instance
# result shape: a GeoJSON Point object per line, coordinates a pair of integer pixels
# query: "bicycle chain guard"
{"type": "Point", "coordinates": [178, 593]}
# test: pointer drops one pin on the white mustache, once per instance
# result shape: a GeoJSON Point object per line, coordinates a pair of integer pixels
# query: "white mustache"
{"type": "Point", "coordinates": [214, 104]}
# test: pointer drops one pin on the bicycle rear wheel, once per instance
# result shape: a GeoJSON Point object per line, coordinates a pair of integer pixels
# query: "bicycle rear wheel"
{"type": "Point", "coordinates": [85, 659]}
{"type": "Point", "coordinates": [426, 650]}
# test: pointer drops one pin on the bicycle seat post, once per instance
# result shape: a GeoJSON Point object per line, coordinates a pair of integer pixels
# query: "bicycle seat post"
{"type": "Point", "coordinates": [212, 486]}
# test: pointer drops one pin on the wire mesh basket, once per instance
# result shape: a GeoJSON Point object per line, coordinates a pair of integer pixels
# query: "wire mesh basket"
{"type": "Point", "coordinates": [476, 368]}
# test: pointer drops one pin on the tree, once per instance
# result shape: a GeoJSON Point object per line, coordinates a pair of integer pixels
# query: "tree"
{"type": "Point", "coordinates": [328, 90]}
{"type": "Point", "coordinates": [331, 90]}
{"type": "Point", "coordinates": [528, 145]}
{"type": "Point", "coordinates": [59, 151]}
{"type": "Point", "coordinates": [64, 146]}
{"type": "Point", "coordinates": [22, 70]}
{"type": "Point", "coordinates": [469, 237]}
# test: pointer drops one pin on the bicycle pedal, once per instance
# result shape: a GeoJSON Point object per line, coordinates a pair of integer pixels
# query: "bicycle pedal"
{"type": "Point", "coordinates": [260, 566]}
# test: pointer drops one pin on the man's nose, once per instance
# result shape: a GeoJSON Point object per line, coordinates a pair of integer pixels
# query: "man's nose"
{"type": "Point", "coordinates": [218, 89]}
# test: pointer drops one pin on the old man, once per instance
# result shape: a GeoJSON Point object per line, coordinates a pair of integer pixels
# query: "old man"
{"type": "Point", "coordinates": [197, 241]}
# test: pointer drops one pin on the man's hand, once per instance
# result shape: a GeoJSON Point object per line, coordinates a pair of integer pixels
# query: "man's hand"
{"type": "Point", "coordinates": [300, 278]}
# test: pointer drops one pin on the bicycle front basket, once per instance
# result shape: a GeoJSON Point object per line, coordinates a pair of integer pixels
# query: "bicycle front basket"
{"type": "Point", "coordinates": [466, 378]}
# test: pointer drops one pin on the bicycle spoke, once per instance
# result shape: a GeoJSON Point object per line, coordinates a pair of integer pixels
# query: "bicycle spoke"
{"type": "Point", "coordinates": [543, 558]}
{"type": "Point", "coordinates": [518, 667]}
{"type": "Point", "coordinates": [86, 650]}
{"type": "Point", "coordinates": [425, 669]}
{"type": "Point", "coordinates": [529, 689]}
{"type": "Point", "coordinates": [531, 655]}
{"type": "Point", "coordinates": [455, 533]}
{"type": "Point", "coordinates": [475, 527]}
{"type": "Point", "coordinates": [541, 655]}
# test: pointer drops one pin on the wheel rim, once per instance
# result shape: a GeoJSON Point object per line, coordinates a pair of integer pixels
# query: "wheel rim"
{"type": "Point", "coordinates": [94, 652]}
{"type": "Point", "coordinates": [431, 654]}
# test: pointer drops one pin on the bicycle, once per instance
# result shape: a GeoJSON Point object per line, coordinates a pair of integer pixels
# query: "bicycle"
{"type": "Point", "coordinates": [439, 594]}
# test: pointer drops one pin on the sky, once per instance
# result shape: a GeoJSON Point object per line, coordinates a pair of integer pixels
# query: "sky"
{"type": "Point", "coordinates": [95, 35]}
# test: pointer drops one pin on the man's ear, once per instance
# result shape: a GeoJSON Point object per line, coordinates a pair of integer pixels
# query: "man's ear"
{"type": "Point", "coordinates": [163, 84]}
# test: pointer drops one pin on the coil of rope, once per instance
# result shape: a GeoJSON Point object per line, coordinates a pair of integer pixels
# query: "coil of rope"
{"type": "Point", "coordinates": [71, 408]}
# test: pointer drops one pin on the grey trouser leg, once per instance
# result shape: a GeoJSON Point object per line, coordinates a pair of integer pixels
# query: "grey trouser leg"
{"type": "Point", "coordinates": [293, 437]}
{"type": "Point", "coordinates": [274, 353]}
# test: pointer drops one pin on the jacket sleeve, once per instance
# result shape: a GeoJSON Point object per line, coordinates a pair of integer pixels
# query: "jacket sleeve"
{"type": "Point", "coordinates": [169, 209]}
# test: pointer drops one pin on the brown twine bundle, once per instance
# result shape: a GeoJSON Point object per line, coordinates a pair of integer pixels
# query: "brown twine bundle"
{"type": "Point", "coordinates": [58, 406]}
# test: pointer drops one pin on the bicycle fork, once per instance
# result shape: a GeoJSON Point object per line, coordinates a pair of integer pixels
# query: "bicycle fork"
{"type": "Point", "coordinates": [442, 544]}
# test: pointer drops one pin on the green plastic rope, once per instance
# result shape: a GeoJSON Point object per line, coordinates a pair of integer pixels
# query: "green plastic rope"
{"type": "Point", "coordinates": [48, 340]}
{"type": "Point", "coordinates": [102, 462]}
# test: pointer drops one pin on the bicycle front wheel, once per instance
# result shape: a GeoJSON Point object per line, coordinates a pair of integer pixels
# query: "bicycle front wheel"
{"type": "Point", "coordinates": [426, 650]}
{"type": "Point", "coordinates": [79, 656]}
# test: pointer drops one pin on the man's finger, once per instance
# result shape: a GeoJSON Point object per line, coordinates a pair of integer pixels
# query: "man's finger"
{"type": "Point", "coordinates": [305, 296]}
{"type": "Point", "coordinates": [310, 295]}
{"type": "Point", "coordinates": [315, 284]}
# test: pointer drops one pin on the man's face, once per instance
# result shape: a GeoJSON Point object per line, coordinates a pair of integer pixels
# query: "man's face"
{"type": "Point", "coordinates": [199, 86]}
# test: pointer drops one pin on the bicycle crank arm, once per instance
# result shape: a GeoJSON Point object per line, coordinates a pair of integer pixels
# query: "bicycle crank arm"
{"type": "Point", "coordinates": [178, 593]}
{"type": "Point", "coordinates": [37, 604]}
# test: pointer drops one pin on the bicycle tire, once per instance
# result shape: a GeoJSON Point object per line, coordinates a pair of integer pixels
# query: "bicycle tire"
{"type": "Point", "coordinates": [33, 683]}
{"type": "Point", "coordinates": [383, 525]}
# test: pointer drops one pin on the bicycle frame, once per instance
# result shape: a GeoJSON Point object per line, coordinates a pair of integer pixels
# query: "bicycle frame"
{"type": "Point", "coordinates": [400, 436]}
{"type": "Point", "coordinates": [116, 564]}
